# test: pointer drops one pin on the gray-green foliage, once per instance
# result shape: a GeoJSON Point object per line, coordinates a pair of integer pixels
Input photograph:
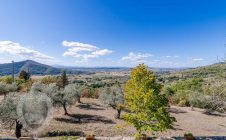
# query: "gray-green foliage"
{"type": "Point", "coordinates": [209, 94]}
{"type": "Point", "coordinates": [216, 97]}
{"type": "Point", "coordinates": [37, 87]}
{"type": "Point", "coordinates": [6, 88]}
{"type": "Point", "coordinates": [67, 96]}
{"type": "Point", "coordinates": [60, 97]}
{"type": "Point", "coordinates": [8, 113]}
{"type": "Point", "coordinates": [9, 105]}
{"type": "Point", "coordinates": [73, 90]}
{"type": "Point", "coordinates": [114, 97]}
{"type": "Point", "coordinates": [198, 99]}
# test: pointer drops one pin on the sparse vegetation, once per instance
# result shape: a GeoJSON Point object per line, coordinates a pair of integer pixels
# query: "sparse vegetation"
{"type": "Point", "coordinates": [142, 96]}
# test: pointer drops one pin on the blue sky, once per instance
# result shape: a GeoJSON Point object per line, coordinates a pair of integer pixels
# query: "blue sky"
{"type": "Point", "coordinates": [160, 33]}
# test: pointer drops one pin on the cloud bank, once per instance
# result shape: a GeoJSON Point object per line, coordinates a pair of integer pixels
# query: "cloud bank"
{"type": "Point", "coordinates": [79, 50]}
{"type": "Point", "coordinates": [16, 49]}
{"type": "Point", "coordinates": [136, 57]}
{"type": "Point", "coordinates": [196, 59]}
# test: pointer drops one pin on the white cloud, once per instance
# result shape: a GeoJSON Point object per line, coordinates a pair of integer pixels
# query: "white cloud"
{"type": "Point", "coordinates": [196, 59]}
{"type": "Point", "coordinates": [102, 52]}
{"type": "Point", "coordinates": [76, 49]}
{"type": "Point", "coordinates": [169, 56]}
{"type": "Point", "coordinates": [136, 58]}
{"type": "Point", "coordinates": [14, 48]}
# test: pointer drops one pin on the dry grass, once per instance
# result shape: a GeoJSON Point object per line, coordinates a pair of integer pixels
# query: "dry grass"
{"type": "Point", "coordinates": [92, 116]}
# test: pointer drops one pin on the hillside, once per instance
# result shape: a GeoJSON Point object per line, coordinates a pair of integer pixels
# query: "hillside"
{"type": "Point", "coordinates": [34, 68]}
{"type": "Point", "coordinates": [217, 70]}
{"type": "Point", "coordinates": [213, 70]}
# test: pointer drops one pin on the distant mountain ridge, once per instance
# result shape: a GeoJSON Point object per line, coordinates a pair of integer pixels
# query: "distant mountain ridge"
{"type": "Point", "coordinates": [34, 68]}
{"type": "Point", "coordinates": [94, 69]}
{"type": "Point", "coordinates": [99, 68]}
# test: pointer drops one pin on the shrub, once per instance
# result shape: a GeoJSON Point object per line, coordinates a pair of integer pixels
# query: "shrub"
{"type": "Point", "coordinates": [6, 79]}
{"type": "Point", "coordinates": [49, 80]}
{"type": "Point", "coordinates": [6, 88]}
{"type": "Point", "coordinates": [197, 99]}
{"type": "Point", "coordinates": [90, 92]}
{"type": "Point", "coordinates": [181, 97]}
{"type": "Point", "coordinates": [216, 99]}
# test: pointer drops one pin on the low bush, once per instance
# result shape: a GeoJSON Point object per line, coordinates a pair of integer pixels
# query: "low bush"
{"type": "Point", "coordinates": [90, 93]}
{"type": "Point", "coordinates": [197, 99]}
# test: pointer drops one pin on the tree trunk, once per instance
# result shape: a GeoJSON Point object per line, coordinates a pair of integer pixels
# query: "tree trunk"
{"type": "Point", "coordinates": [65, 109]}
{"type": "Point", "coordinates": [79, 100]}
{"type": "Point", "coordinates": [19, 127]}
{"type": "Point", "coordinates": [4, 95]}
{"type": "Point", "coordinates": [119, 113]}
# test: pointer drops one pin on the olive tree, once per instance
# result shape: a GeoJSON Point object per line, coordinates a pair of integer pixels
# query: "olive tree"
{"type": "Point", "coordinates": [114, 97]}
{"type": "Point", "coordinates": [6, 88]}
{"type": "Point", "coordinates": [65, 97]}
{"type": "Point", "coordinates": [8, 113]}
{"type": "Point", "coordinates": [25, 111]}
{"type": "Point", "coordinates": [60, 97]}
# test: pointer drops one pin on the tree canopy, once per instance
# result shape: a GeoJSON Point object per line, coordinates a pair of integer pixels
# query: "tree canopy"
{"type": "Point", "coordinates": [148, 107]}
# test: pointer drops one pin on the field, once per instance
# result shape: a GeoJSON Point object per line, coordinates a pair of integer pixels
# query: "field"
{"type": "Point", "coordinates": [92, 116]}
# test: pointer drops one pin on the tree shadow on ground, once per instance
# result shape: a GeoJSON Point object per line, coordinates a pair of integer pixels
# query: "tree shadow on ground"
{"type": "Point", "coordinates": [176, 110]}
{"type": "Point", "coordinates": [89, 107]}
{"type": "Point", "coordinates": [214, 114]}
{"type": "Point", "coordinates": [7, 139]}
{"type": "Point", "coordinates": [65, 133]}
{"type": "Point", "coordinates": [176, 128]}
{"type": "Point", "coordinates": [85, 118]}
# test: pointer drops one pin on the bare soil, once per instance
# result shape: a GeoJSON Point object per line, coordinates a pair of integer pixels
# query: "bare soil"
{"type": "Point", "coordinates": [91, 116]}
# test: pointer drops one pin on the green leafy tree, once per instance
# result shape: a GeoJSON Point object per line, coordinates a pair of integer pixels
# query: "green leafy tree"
{"type": "Point", "coordinates": [114, 97]}
{"type": "Point", "coordinates": [148, 107]}
{"type": "Point", "coordinates": [63, 81]}
{"type": "Point", "coordinates": [24, 75]}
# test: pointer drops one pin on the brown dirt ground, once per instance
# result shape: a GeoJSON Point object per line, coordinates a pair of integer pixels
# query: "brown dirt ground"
{"type": "Point", "coordinates": [96, 118]}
